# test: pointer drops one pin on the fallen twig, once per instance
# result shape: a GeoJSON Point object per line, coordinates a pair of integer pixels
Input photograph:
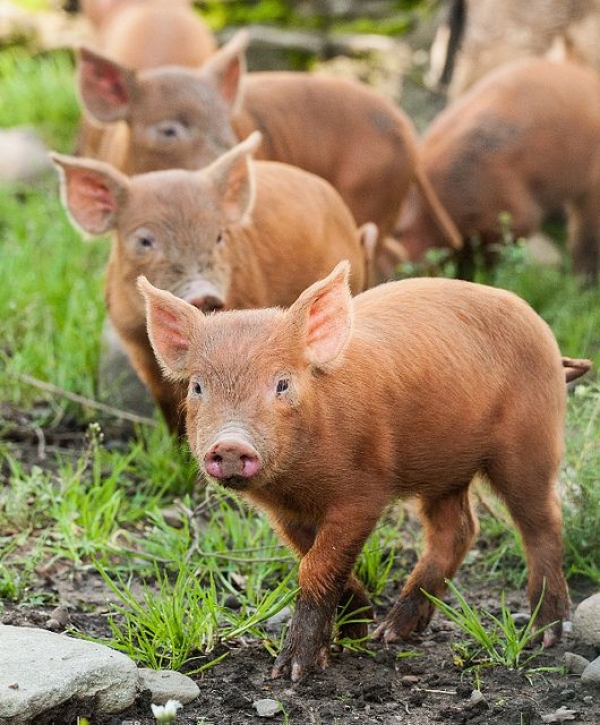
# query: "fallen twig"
{"type": "Point", "coordinates": [82, 400]}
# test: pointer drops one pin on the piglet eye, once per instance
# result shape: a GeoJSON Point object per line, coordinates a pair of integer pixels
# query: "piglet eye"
{"type": "Point", "coordinates": [283, 384]}
{"type": "Point", "coordinates": [144, 239]}
{"type": "Point", "coordinates": [196, 388]}
{"type": "Point", "coordinates": [219, 237]}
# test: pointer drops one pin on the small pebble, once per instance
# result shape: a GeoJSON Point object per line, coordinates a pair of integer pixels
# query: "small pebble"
{"type": "Point", "coordinates": [575, 663]}
{"type": "Point", "coordinates": [477, 699]}
{"type": "Point", "coordinates": [267, 707]}
{"type": "Point", "coordinates": [409, 680]}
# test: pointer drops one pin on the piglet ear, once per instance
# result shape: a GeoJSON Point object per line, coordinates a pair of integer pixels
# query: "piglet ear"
{"type": "Point", "coordinates": [226, 67]}
{"type": "Point", "coordinates": [172, 323]}
{"type": "Point", "coordinates": [234, 179]}
{"type": "Point", "coordinates": [91, 191]}
{"type": "Point", "coordinates": [322, 317]}
{"type": "Point", "coordinates": [106, 88]}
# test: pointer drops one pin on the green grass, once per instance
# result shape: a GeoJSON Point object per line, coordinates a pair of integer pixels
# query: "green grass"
{"type": "Point", "coordinates": [134, 508]}
{"type": "Point", "coordinates": [40, 92]}
{"type": "Point", "coordinates": [492, 641]}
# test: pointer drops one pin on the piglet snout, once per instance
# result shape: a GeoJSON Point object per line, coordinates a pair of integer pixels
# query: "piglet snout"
{"type": "Point", "coordinates": [230, 458]}
{"type": "Point", "coordinates": [202, 294]}
{"type": "Point", "coordinates": [208, 303]}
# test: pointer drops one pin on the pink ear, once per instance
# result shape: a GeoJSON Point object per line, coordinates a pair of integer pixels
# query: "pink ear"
{"type": "Point", "coordinates": [233, 176]}
{"type": "Point", "coordinates": [171, 323]}
{"type": "Point", "coordinates": [91, 192]}
{"type": "Point", "coordinates": [105, 87]}
{"type": "Point", "coordinates": [324, 311]}
{"type": "Point", "coordinates": [226, 67]}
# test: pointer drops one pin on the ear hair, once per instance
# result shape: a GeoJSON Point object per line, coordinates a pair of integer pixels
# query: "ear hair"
{"type": "Point", "coordinates": [171, 323]}
{"type": "Point", "coordinates": [235, 179]}
{"type": "Point", "coordinates": [91, 192]}
{"type": "Point", "coordinates": [322, 318]}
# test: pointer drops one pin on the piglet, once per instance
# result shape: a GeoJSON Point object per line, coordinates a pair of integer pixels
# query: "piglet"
{"type": "Point", "coordinates": [522, 143]}
{"type": "Point", "coordinates": [236, 234]}
{"type": "Point", "coordinates": [324, 413]}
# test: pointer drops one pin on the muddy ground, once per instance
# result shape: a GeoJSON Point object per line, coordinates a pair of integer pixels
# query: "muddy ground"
{"type": "Point", "coordinates": [383, 686]}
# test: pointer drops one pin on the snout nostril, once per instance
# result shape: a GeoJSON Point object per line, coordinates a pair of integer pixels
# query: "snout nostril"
{"type": "Point", "coordinates": [208, 304]}
{"type": "Point", "coordinates": [230, 459]}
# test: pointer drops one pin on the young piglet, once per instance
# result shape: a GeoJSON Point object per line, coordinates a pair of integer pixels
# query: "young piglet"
{"type": "Point", "coordinates": [523, 143]}
{"type": "Point", "coordinates": [237, 234]}
{"type": "Point", "coordinates": [324, 413]}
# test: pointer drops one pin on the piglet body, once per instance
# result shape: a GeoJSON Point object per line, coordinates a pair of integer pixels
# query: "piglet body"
{"type": "Point", "coordinates": [325, 413]}
{"type": "Point", "coordinates": [523, 142]}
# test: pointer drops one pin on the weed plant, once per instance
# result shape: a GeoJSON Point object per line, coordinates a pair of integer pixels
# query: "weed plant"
{"type": "Point", "coordinates": [492, 641]}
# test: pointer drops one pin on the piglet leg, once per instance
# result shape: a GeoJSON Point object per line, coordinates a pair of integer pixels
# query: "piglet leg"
{"type": "Point", "coordinates": [323, 577]}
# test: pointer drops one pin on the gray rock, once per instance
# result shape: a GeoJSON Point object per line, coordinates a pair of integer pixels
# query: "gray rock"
{"type": "Point", "coordinates": [591, 674]}
{"type": "Point", "coordinates": [539, 249]}
{"type": "Point", "coordinates": [168, 685]}
{"type": "Point", "coordinates": [267, 707]}
{"type": "Point", "coordinates": [274, 624]}
{"type": "Point", "coordinates": [41, 670]}
{"type": "Point", "coordinates": [576, 664]}
{"type": "Point", "coordinates": [117, 380]}
{"type": "Point", "coordinates": [586, 621]}
{"type": "Point", "coordinates": [23, 155]}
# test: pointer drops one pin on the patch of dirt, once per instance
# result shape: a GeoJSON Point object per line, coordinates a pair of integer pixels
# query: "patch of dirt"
{"type": "Point", "coordinates": [382, 686]}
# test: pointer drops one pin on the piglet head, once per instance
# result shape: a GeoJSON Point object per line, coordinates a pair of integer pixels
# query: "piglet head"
{"type": "Point", "coordinates": [254, 394]}
{"type": "Point", "coordinates": [174, 227]}
{"type": "Point", "coordinates": [176, 117]}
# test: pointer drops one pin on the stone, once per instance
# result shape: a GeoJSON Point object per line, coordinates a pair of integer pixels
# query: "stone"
{"type": "Point", "coordinates": [575, 663]}
{"type": "Point", "coordinates": [23, 155]}
{"type": "Point", "coordinates": [42, 670]}
{"type": "Point", "coordinates": [540, 249]}
{"type": "Point", "coordinates": [591, 674]}
{"type": "Point", "coordinates": [274, 624]}
{"type": "Point", "coordinates": [267, 707]}
{"type": "Point", "coordinates": [117, 380]}
{"type": "Point", "coordinates": [586, 621]}
{"type": "Point", "coordinates": [168, 685]}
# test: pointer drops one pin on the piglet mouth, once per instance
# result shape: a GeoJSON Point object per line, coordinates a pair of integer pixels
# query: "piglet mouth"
{"type": "Point", "coordinates": [235, 483]}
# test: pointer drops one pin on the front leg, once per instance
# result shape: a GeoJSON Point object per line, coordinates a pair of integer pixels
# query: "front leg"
{"type": "Point", "coordinates": [354, 597]}
{"type": "Point", "coordinates": [323, 577]}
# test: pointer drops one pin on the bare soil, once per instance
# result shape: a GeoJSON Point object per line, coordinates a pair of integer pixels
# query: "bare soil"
{"type": "Point", "coordinates": [383, 686]}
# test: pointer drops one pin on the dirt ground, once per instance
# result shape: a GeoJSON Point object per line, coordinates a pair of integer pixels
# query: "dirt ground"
{"type": "Point", "coordinates": [384, 686]}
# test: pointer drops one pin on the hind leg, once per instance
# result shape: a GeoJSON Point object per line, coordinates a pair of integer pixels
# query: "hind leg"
{"type": "Point", "coordinates": [584, 238]}
{"type": "Point", "coordinates": [527, 487]}
{"type": "Point", "coordinates": [450, 528]}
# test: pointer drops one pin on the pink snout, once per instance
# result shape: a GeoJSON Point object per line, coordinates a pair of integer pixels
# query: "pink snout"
{"type": "Point", "coordinates": [231, 458]}
{"type": "Point", "coordinates": [203, 295]}
{"type": "Point", "coordinates": [208, 303]}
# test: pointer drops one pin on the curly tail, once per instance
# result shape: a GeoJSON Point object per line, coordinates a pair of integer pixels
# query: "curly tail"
{"type": "Point", "coordinates": [575, 368]}
{"type": "Point", "coordinates": [445, 223]}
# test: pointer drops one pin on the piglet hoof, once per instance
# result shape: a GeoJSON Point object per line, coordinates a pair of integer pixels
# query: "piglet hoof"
{"type": "Point", "coordinates": [299, 664]}
{"type": "Point", "coordinates": [386, 633]}
{"type": "Point", "coordinates": [406, 617]}
{"type": "Point", "coordinates": [553, 634]}
{"type": "Point", "coordinates": [549, 639]}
